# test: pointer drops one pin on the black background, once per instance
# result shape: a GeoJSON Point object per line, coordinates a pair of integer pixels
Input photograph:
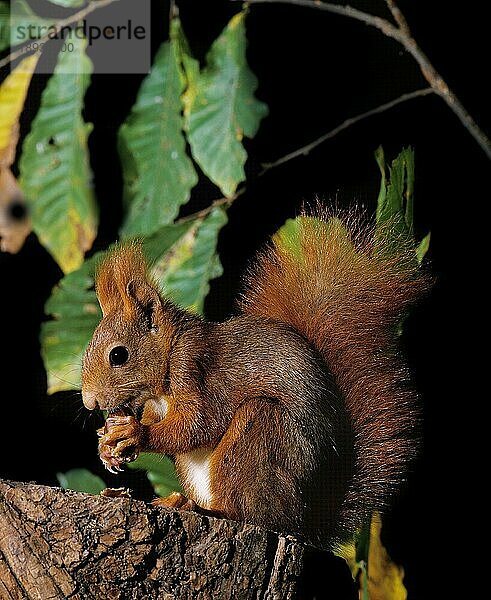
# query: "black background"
{"type": "Point", "coordinates": [314, 71]}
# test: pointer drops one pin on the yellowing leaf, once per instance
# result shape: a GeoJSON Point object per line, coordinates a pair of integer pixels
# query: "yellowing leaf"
{"type": "Point", "coordinates": [56, 176]}
{"type": "Point", "coordinates": [384, 577]}
{"type": "Point", "coordinates": [347, 550]}
{"type": "Point", "coordinates": [186, 270]}
{"type": "Point", "coordinates": [189, 64]}
{"type": "Point", "coordinates": [15, 224]}
{"type": "Point", "coordinates": [12, 97]}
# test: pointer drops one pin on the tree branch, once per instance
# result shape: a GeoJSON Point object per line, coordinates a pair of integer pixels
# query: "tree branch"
{"type": "Point", "coordinates": [401, 34]}
{"type": "Point", "coordinates": [224, 201]}
{"type": "Point", "coordinates": [56, 544]}
{"type": "Point", "coordinates": [337, 9]}
{"type": "Point", "coordinates": [58, 25]}
{"type": "Point", "coordinates": [399, 18]}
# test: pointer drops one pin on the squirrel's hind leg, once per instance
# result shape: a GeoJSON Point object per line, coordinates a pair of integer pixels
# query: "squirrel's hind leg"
{"type": "Point", "coordinates": [182, 502]}
{"type": "Point", "coordinates": [253, 475]}
{"type": "Point", "coordinates": [175, 500]}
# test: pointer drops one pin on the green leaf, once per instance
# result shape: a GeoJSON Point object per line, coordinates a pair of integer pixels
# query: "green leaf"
{"type": "Point", "coordinates": [382, 195]}
{"type": "Point", "coordinates": [69, 3]}
{"type": "Point", "coordinates": [407, 156]}
{"type": "Point", "coordinates": [55, 172]}
{"type": "Point", "coordinates": [81, 480]}
{"type": "Point", "coordinates": [4, 26]}
{"type": "Point", "coordinates": [394, 231]}
{"type": "Point", "coordinates": [184, 272]}
{"type": "Point", "coordinates": [396, 197]}
{"type": "Point", "coordinates": [159, 174]}
{"type": "Point", "coordinates": [75, 314]}
{"type": "Point", "coordinates": [395, 206]}
{"type": "Point", "coordinates": [162, 241]}
{"type": "Point", "coordinates": [423, 248]}
{"type": "Point", "coordinates": [220, 108]}
{"type": "Point", "coordinates": [22, 26]}
{"type": "Point", "coordinates": [160, 472]}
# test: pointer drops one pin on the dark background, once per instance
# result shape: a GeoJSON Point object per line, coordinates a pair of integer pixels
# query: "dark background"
{"type": "Point", "coordinates": [314, 71]}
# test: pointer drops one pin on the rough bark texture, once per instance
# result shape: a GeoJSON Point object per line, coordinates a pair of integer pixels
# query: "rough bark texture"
{"type": "Point", "coordinates": [62, 544]}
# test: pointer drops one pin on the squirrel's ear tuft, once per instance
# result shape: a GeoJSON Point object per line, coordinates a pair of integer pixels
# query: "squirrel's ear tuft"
{"type": "Point", "coordinates": [123, 264]}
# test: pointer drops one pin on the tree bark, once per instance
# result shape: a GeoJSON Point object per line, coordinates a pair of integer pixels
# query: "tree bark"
{"type": "Point", "coordinates": [59, 544]}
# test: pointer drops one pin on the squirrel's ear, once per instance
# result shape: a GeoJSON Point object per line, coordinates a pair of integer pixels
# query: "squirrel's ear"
{"type": "Point", "coordinates": [144, 301]}
{"type": "Point", "coordinates": [107, 291]}
{"type": "Point", "coordinates": [119, 273]}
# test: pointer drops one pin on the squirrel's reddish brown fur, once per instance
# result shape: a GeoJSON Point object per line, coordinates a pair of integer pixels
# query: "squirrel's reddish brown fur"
{"type": "Point", "coordinates": [296, 414]}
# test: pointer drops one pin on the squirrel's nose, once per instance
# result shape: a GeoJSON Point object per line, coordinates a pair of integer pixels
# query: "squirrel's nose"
{"type": "Point", "coordinates": [90, 400]}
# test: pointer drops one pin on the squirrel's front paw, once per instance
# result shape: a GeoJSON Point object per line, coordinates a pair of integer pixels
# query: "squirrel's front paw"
{"type": "Point", "coordinates": [112, 463]}
{"type": "Point", "coordinates": [120, 441]}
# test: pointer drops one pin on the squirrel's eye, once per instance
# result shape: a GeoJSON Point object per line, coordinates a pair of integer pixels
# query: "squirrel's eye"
{"type": "Point", "coordinates": [118, 356]}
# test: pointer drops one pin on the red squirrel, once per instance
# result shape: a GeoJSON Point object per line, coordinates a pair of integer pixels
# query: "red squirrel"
{"type": "Point", "coordinates": [296, 414]}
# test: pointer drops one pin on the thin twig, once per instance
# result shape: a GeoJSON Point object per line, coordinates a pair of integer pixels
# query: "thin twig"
{"type": "Point", "coordinates": [399, 18]}
{"type": "Point", "coordinates": [304, 150]}
{"type": "Point", "coordinates": [225, 201]}
{"type": "Point", "coordinates": [345, 11]}
{"type": "Point", "coordinates": [401, 34]}
{"type": "Point", "coordinates": [58, 26]}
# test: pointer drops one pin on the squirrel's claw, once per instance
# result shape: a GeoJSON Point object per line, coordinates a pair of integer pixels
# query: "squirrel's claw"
{"type": "Point", "coordinates": [114, 468]}
{"type": "Point", "coordinates": [116, 420]}
{"type": "Point", "coordinates": [109, 459]}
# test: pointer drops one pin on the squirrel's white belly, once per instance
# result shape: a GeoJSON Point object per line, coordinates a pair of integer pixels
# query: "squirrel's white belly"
{"type": "Point", "coordinates": [196, 465]}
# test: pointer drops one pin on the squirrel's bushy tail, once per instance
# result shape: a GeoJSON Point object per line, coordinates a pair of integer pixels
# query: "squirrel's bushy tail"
{"type": "Point", "coordinates": [346, 292]}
